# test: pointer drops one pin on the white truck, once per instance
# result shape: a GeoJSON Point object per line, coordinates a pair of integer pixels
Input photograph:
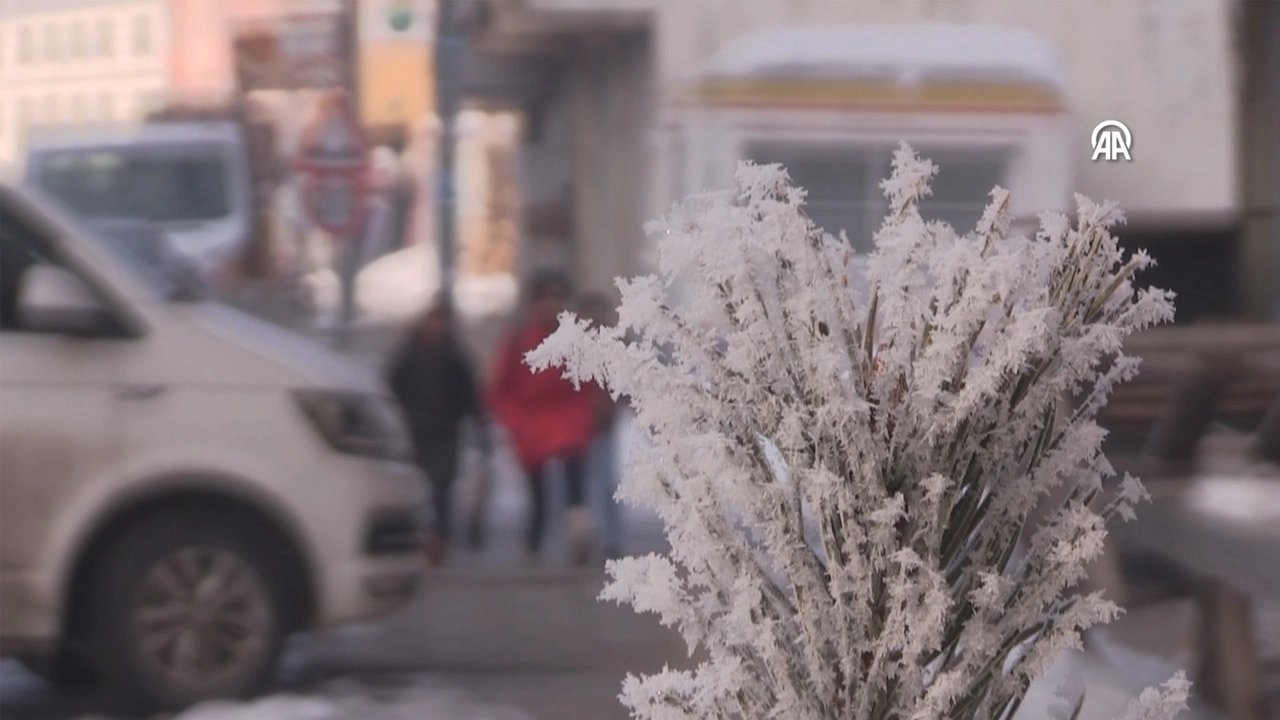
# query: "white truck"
{"type": "Point", "coordinates": [191, 179]}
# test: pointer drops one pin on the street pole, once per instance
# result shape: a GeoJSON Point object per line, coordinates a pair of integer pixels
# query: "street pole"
{"type": "Point", "coordinates": [448, 69]}
{"type": "Point", "coordinates": [349, 47]}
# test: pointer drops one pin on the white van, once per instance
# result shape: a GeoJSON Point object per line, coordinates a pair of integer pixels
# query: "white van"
{"type": "Point", "coordinates": [181, 486]}
{"type": "Point", "coordinates": [192, 179]}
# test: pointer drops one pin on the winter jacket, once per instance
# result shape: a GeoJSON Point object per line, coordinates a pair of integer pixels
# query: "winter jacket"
{"type": "Point", "coordinates": [437, 389]}
{"type": "Point", "coordinates": [545, 415]}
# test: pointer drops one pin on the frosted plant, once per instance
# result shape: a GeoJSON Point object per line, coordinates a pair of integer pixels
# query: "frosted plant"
{"type": "Point", "coordinates": [844, 469]}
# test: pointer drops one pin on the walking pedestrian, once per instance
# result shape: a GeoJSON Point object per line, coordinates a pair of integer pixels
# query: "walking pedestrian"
{"type": "Point", "coordinates": [602, 456]}
{"type": "Point", "coordinates": [549, 420]}
{"type": "Point", "coordinates": [431, 376]}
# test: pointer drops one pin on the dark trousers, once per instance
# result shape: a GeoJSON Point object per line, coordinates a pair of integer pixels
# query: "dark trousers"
{"type": "Point", "coordinates": [539, 478]}
{"type": "Point", "coordinates": [440, 463]}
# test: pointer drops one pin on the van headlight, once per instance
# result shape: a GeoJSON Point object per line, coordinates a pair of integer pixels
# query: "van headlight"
{"type": "Point", "coordinates": [357, 424]}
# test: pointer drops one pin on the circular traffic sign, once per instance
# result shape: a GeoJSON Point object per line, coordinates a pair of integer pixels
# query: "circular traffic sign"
{"type": "Point", "coordinates": [334, 200]}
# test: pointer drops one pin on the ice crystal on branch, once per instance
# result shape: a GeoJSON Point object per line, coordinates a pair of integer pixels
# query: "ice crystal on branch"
{"type": "Point", "coordinates": [845, 469]}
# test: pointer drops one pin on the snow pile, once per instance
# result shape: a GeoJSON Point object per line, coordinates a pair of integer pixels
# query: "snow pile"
{"type": "Point", "coordinates": [486, 296]}
{"type": "Point", "coordinates": [915, 419]}
{"type": "Point", "coordinates": [325, 291]}
{"type": "Point", "coordinates": [922, 51]}
{"type": "Point", "coordinates": [397, 287]}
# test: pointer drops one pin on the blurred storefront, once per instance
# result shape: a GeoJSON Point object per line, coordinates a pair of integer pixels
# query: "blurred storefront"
{"type": "Point", "coordinates": [488, 193]}
{"type": "Point", "coordinates": [1260, 27]}
{"type": "Point", "coordinates": [397, 85]}
{"type": "Point", "coordinates": [615, 141]}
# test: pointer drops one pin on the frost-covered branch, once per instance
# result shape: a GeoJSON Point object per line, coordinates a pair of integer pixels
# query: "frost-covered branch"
{"type": "Point", "coordinates": [845, 460]}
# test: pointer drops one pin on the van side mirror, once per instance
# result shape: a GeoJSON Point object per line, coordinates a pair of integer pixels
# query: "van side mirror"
{"type": "Point", "coordinates": [187, 280]}
{"type": "Point", "coordinates": [52, 299]}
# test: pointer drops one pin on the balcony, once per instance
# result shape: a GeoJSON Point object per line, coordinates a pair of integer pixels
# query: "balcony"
{"type": "Point", "coordinates": [537, 25]}
{"type": "Point", "coordinates": [516, 48]}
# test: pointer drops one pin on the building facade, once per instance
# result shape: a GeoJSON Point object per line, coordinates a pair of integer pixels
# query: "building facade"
{"type": "Point", "coordinates": [612, 152]}
{"type": "Point", "coordinates": [397, 82]}
{"type": "Point", "coordinates": [66, 62]}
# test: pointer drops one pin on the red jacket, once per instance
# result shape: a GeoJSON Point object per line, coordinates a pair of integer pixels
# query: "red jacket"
{"type": "Point", "coordinates": [546, 416]}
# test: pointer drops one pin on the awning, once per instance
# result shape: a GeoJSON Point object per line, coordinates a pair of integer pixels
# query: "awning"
{"type": "Point", "coordinates": [919, 67]}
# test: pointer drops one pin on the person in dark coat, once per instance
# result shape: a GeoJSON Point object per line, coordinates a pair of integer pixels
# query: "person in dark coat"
{"type": "Point", "coordinates": [432, 377]}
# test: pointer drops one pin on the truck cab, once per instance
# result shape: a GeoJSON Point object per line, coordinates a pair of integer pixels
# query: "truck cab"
{"type": "Point", "coordinates": [192, 179]}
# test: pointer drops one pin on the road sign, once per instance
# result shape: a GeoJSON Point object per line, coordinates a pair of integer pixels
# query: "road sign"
{"type": "Point", "coordinates": [397, 21]}
{"type": "Point", "coordinates": [292, 52]}
{"type": "Point", "coordinates": [333, 201]}
{"type": "Point", "coordinates": [333, 159]}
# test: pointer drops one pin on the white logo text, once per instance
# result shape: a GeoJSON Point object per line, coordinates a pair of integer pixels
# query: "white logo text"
{"type": "Point", "coordinates": [1111, 140]}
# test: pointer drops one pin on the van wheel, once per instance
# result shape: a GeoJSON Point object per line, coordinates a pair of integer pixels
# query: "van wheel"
{"type": "Point", "coordinates": [187, 607]}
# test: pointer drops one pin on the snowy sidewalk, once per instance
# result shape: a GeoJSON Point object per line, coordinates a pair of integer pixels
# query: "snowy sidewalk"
{"type": "Point", "coordinates": [398, 698]}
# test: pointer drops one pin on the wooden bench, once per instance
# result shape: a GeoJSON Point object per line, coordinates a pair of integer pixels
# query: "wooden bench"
{"type": "Point", "coordinates": [1191, 376]}
{"type": "Point", "coordinates": [1225, 532]}
{"type": "Point", "coordinates": [1215, 515]}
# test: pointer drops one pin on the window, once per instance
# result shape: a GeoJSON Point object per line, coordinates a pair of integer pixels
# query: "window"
{"type": "Point", "coordinates": [962, 186]}
{"type": "Point", "coordinates": [106, 38]}
{"type": "Point", "coordinates": [77, 109]}
{"type": "Point", "coordinates": [51, 114]}
{"type": "Point", "coordinates": [188, 184]}
{"type": "Point", "coordinates": [26, 52]}
{"type": "Point", "coordinates": [52, 43]}
{"type": "Point", "coordinates": [843, 184]}
{"type": "Point", "coordinates": [76, 44]}
{"type": "Point", "coordinates": [24, 114]}
{"type": "Point", "coordinates": [20, 249]}
{"type": "Point", "coordinates": [106, 107]}
{"type": "Point", "coordinates": [142, 35]}
{"type": "Point", "coordinates": [24, 246]}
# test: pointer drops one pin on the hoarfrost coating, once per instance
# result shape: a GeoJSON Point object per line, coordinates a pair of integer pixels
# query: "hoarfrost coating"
{"type": "Point", "coordinates": [917, 423]}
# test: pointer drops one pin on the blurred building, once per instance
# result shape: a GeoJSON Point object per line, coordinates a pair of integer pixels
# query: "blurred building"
{"type": "Point", "coordinates": [65, 62]}
{"type": "Point", "coordinates": [255, 45]}
{"type": "Point", "coordinates": [397, 81]}
{"type": "Point", "coordinates": [488, 193]}
{"type": "Point", "coordinates": [1260, 23]}
{"type": "Point", "coordinates": [638, 102]}
{"type": "Point", "coordinates": [77, 62]}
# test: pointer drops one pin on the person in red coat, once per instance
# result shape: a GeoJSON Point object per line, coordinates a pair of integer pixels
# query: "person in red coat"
{"type": "Point", "coordinates": [546, 417]}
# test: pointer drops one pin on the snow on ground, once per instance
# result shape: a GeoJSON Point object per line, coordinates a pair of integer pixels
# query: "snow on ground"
{"type": "Point", "coordinates": [396, 287]}
{"type": "Point", "coordinates": [1110, 679]}
{"type": "Point", "coordinates": [396, 698]}
{"type": "Point", "coordinates": [486, 296]}
{"type": "Point", "coordinates": [399, 285]}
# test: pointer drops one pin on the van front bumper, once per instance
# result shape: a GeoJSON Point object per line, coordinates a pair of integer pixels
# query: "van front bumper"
{"type": "Point", "coordinates": [367, 527]}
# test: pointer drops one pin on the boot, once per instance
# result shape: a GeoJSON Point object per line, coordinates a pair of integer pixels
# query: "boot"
{"type": "Point", "coordinates": [578, 523]}
{"type": "Point", "coordinates": [435, 550]}
{"type": "Point", "coordinates": [475, 534]}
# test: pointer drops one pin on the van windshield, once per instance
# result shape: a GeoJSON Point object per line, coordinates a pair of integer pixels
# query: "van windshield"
{"type": "Point", "coordinates": [165, 185]}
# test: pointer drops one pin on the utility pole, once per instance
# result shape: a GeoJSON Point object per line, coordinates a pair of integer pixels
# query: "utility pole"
{"type": "Point", "coordinates": [349, 257]}
{"type": "Point", "coordinates": [448, 69]}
